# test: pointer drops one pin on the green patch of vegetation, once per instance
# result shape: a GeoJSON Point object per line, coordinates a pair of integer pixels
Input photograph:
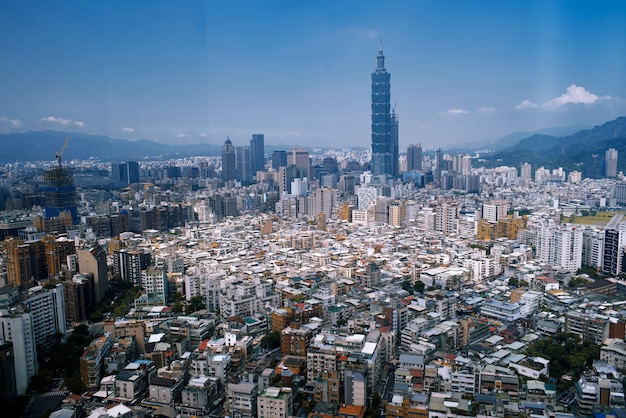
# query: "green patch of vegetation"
{"type": "Point", "coordinates": [566, 354]}
{"type": "Point", "coordinates": [64, 361]}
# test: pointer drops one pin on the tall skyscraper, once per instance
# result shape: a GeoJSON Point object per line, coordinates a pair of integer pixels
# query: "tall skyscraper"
{"type": "Point", "coordinates": [300, 158]}
{"type": "Point", "coordinates": [384, 122]}
{"type": "Point", "coordinates": [257, 153]}
{"type": "Point", "coordinates": [610, 163]}
{"type": "Point", "coordinates": [244, 164]}
{"type": "Point", "coordinates": [229, 165]}
{"type": "Point", "coordinates": [125, 174]}
{"type": "Point", "coordinates": [279, 159]}
{"type": "Point", "coordinates": [414, 157]}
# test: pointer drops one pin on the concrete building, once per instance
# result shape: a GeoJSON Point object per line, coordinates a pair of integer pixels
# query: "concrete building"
{"type": "Point", "coordinates": [275, 402]}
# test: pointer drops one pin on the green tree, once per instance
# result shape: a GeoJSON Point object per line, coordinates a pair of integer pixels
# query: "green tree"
{"type": "Point", "coordinates": [271, 340]}
{"type": "Point", "coordinates": [406, 285]}
{"type": "Point", "coordinates": [195, 304]}
{"type": "Point", "coordinates": [419, 286]}
{"type": "Point", "coordinates": [513, 281]}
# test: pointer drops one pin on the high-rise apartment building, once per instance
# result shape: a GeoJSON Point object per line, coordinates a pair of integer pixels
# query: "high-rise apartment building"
{"type": "Point", "coordinates": [610, 163]}
{"type": "Point", "coordinates": [257, 153]}
{"type": "Point", "coordinates": [93, 259]}
{"type": "Point", "coordinates": [229, 164]}
{"type": "Point", "coordinates": [18, 328]}
{"type": "Point", "coordinates": [414, 157]}
{"type": "Point", "coordinates": [384, 122]}
{"type": "Point", "coordinates": [8, 388]}
{"type": "Point", "coordinates": [526, 172]}
{"type": "Point", "coordinates": [47, 307]}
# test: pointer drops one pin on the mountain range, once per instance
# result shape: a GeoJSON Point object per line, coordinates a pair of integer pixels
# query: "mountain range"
{"type": "Point", "coordinates": [571, 152]}
{"type": "Point", "coordinates": [43, 145]}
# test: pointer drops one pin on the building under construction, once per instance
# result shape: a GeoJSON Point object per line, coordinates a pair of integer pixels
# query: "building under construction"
{"type": "Point", "coordinates": [60, 192]}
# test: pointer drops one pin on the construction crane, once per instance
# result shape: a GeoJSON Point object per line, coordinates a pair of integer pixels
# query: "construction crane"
{"type": "Point", "coordinates": [59, 154]}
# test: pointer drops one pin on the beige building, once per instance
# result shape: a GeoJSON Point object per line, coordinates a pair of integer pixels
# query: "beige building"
{"type": "Point", "coordinates": [275, 403]}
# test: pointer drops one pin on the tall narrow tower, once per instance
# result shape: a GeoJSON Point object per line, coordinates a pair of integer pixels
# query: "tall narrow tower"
{"type": "Point", "coordinates": [229, 165]}
{"type": "Point", "coordinates": [384, 124]}
{"type": "Point", "coordinates": [257, 153]}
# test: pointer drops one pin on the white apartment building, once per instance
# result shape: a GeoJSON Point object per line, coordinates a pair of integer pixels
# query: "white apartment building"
{"type": "Point", "coordinates": [19, 329]}
{"type": "Point", "coordinates": [47, 307]}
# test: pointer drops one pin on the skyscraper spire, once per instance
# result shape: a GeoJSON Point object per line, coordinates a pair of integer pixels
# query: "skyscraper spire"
{"type": "Point", "coordinates": [381, 58]}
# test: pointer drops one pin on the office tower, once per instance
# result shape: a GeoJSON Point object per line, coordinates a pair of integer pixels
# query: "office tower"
{"type": "Point", "coordinates": [93, 259]}
{"type": "Point", "coordinates": [300, 158]}
{"type": "Point", "coordinates": [610, 163]}
{"type": "Point", "coordinates": [414, 157]}
{"type": "Point", "coordinates": [257, 153]}
{"type": "Point", "coordinates": [384, 122]}
{"type": "Point", "coordinates": [229, 164]}
{"type": "Point", "coordinates": [243, 164]}
{"type": "Point", "coordinates": [526, 171]}
{"type": "Point", "coordinates": [279, 159]}
{"type": "Point", "coordinates": [60, 193]}
{"type": "Point", "coordinates": [18, 328]}
{"type": "Point", "coordinates": [8, 387]}
{"type": "Point", "coordinates": [439, 166]}
{"type": "Point", "coordinates": [125, 174]}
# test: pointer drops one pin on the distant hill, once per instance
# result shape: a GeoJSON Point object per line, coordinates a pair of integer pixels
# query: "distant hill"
{"type": "Point", "coordinates": [570, 152]}
{"type": "Point", "coordinates": [512, 139]}
{"type": "Point", "coordinates": [42, 146]}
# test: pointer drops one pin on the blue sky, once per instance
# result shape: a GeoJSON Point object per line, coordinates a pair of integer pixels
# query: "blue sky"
{"type": "Point", "coordinates": [299, 72]}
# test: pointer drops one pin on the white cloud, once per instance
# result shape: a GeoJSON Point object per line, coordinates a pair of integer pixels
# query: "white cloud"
{"type": "Point", "coordinates": [456, 112]}
{"type": "Point", "coordinates": [182, 136]}
{"type": "Point", "coordinates": [14, 123]}
{"type": "Point", "coordinates": [526, 104]}
{"type": "Point", "coordinates": [62, 121]}
{"type": "Point", "coordinates": [487, 110]}
{"type": "Point", "coordinates": [573, 95]}
{"type": "Point", "coordinates": [203, 135]}
{"type": "Point", "coordinates": [128, 130]}
{"type": "Point", "coordinates": [53, 119]}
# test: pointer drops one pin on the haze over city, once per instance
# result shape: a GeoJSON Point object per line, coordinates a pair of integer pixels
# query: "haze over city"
{"type": "Point", "coordinates": [197, 72]}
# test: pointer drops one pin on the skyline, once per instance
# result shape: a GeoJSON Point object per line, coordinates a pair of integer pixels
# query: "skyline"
{"type": "Point", "coordinates": [300, 73]}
